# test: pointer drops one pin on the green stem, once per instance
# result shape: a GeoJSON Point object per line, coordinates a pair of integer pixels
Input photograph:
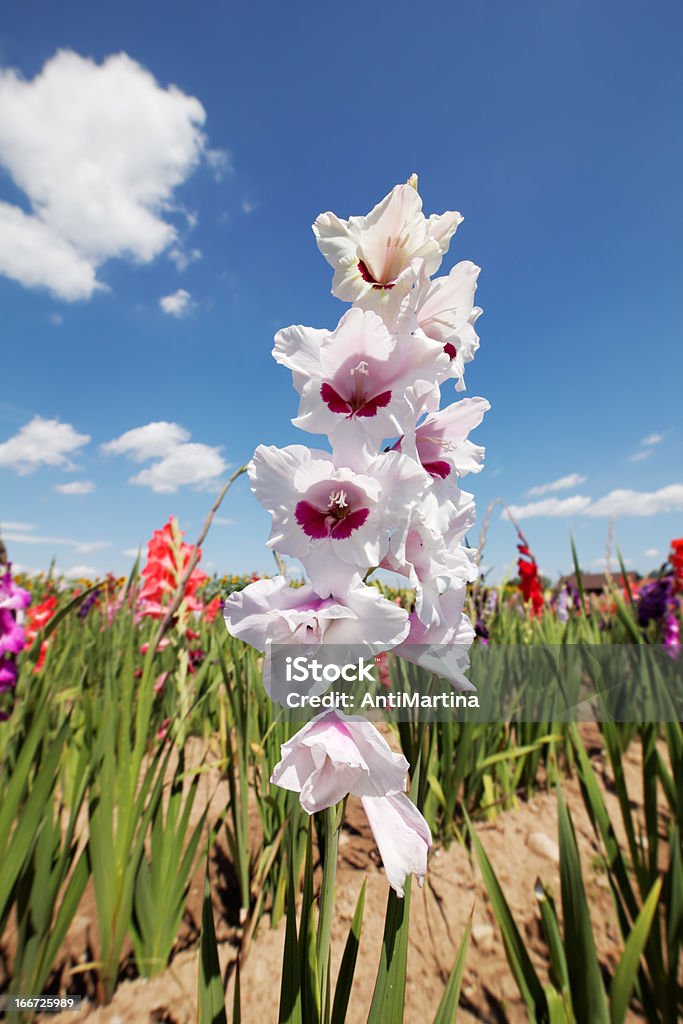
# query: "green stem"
{"type": "Point", "coordinates": [333, 821]}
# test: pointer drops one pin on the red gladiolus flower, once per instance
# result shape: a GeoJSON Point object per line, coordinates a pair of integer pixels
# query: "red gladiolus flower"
{"type": "Point", "coordinates": [37, 616]}
{"type": "Point", "coordinates": [167, 559]}
{"type": "Point", "coordinates": [212, 609]}
{"type": "Point", "coordinates": [529, 582]}
{"type": "Point", "coordinates": [676, 559]}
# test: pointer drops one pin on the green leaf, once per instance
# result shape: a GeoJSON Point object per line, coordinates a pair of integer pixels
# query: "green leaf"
{"type": "Point", "coordinates": [348, 963]}
{"type": "Point", "coordinates": [290, 985]}
{"type": "Point", "coordinates": [627, 969]}
{"type": "Point", "coordinates": [448, 1007]}
{"type": "Point", "coordinates": [588, 992]}
{"type": "Point", "coordinates": [389, 996]}
{"type": "Point", "coordinates": [211, 1008]}
{"type": "Point", "coordinates": [515, 947]}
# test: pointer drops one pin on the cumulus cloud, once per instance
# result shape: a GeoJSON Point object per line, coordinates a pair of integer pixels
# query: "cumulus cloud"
{"type": "Point", "coordinates": [41, 442]}
{"type": "Point", "coordinates": [75, 487]}
{"type": "Point", "coordinates": [77, 572]}
{"type": "Point", "coordinates": [179, 462]}
{"type": "Point", "coordinates": [563, 484]}
{"type": "Point", "coordinates": [182, 259]}
{"type": "Point", "coordinates": [639, 503]}
{"type": "Point", "coordinates": [148, 442]}
{"type": "Point", "coordinates": [549, 507]}
{"type": "Point", "coordinates": [178, 304]}
{"type": "Point", "coordinates": [616, 503]}
{"type": "Point", "coordinates": [28, 536]}
{"type": "Point", "coordinates": [98, 151]}
{"type": "Point", "coordinates": [651, 552]}
{"type": "Point", "coordinates": [187, 464]}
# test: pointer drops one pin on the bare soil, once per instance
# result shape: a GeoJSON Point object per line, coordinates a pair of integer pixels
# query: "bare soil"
{"type": "Point", "coordinates": [522, 846]}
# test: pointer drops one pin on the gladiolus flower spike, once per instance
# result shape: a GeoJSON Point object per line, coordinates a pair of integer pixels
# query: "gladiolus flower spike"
{"type": "Point", "coordinates": [387, 495]}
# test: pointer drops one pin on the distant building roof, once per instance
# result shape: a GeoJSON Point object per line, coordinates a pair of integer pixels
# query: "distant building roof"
{"type": "Point", "coordinates": [594, 582]}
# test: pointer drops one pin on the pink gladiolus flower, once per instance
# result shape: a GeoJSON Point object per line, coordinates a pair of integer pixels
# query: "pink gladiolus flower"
{"type": "Point", "coordinates": [383, 252]}
{"type": "Point", "coordinates": [333, 520]}
{"type": "Point", "coordinates": [374, 378]}
{"type": "Point", "coordinates": [270, 612]}
{"type": "Point", "coordinates": [13, 599]}
{"type": "Point", "coordinates": [334, 755]}
{"type": "Point", "coordinates": [160, 680]}
{"type": "Point", "coordinates": [359, 383]}
{"type": "Point", "coordinates": [162, 645]}
{"type": "Point", "coordinates": [431, 555]}
{"type": "Point", "coordinates": [441, 444]}
{"type": "Point", "coordinates": [442, 647]}
{"type": "Point", "coordinates": [444, 310]}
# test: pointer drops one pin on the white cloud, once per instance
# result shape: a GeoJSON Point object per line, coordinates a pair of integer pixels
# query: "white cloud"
{"type": "Point", "coordinates": [222, 521]}
{"type": "Point", "coordinates": [180, 462]}
{"type": "Point", "coordinates": [601, 563]}
{"type": "Point", "coordinates": [17, 527]}
{"type": "Point", "coordinates": [639, 503]}
{"type": "Point", "coordinates": [56, 319]}
{"type": "Point", "coordinates": [182, 259]}
{"type": "Point", "coordinates": [77, 572]}
{"type": "Point", "coordinates": [248, 207]}
{"type": "Point", "coordinates": [188, 464]}
{"type": "Point", "coordinates": [75, 487]}
{"type": "Point", "coordinates": [651, 552]}
{"type": "Point", "coordinates": [652, 439]}
{"type": "Point", "coordinates": [41, 443]}
{"type": "Point", "coordinates": [148, 442]}
{"type": "Point", "coordinates": [133, 552]}
{"type": "Point", "coordinates": [549, 507]}
{"type": "Point", "coordinates": [178, 304]}
{"type": "Point", "coordinates": [28, 536]}
{"type": "Point", "coordinates": [98, 150]}
{"type": "Point", "coordinates": [639, 456]}
{"type": "Point", "coordinates": [616, 503]}
{"type": "Point", "coordinates": [87, 547]}
{"type": "Point", "coordinates": [563, 484]}
{"type": "Point", "coordinates": [220, 161]}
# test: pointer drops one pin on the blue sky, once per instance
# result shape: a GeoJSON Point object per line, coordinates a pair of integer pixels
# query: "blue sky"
{"type": "Point", "coordinates": [555, 130]}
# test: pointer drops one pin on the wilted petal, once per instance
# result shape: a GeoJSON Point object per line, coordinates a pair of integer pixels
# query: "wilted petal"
{"type": "Point", "coordinates": [402, 836]}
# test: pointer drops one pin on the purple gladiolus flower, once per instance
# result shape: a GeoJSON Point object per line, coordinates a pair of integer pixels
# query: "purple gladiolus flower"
{"type": "Point", "coordinates": [654, 599]}
{"type": "Point", "coordinates": [563, 605]}
{"type": "Point", "coordinates": [87, 604]}
{"type": "Point", "coordinates": [672, 635]}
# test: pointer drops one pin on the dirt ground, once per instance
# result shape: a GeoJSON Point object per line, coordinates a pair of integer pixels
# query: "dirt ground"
{"type": "Point", "coordinates": [522, 846]}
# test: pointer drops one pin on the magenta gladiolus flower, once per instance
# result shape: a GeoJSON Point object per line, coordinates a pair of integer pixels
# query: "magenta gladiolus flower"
{"type": "Point", "coordinates": [13, 600]}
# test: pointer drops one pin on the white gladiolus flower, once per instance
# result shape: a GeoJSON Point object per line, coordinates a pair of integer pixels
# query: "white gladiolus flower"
{"type": "Point", "coordinates": [334, 755]}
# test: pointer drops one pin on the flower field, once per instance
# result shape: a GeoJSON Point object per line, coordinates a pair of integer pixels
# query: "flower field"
{"type": "Point", "coordinates": [192, 825]}
{"type": "Point", "coordinates": [111, 733]}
